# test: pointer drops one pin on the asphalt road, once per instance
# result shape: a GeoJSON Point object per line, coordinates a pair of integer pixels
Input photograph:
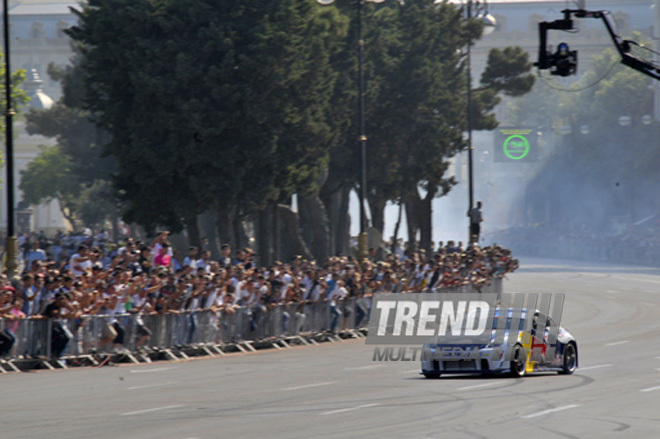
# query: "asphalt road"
{"type": "Point", "coordinates": [337, 391]}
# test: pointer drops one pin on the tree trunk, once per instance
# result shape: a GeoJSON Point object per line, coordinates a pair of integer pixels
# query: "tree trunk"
{"type": "Point", "coordinates": [395, 238]}
{"type": "Point", "coordinates": [115, 228]}
{"type": "Point", "coordinates": [192, 226]}
{"type": "Point", "coordinates": [290, 222]}
{"type": "Point", "coordinates": [223, 223]}
{"type": "Point", "coordinates": [264, 237]}
{"type": "Point", "coordinates": [70, 219]}
{"type": "Point", "coordinates": [208, 231]}
{"type": "Point", "coordinates": [425, 210]}
{"type": "Point", "coordinates": [316, 225]}
{"type": "Point", "coordinates": [337, 207]}
{"type": "Point", "coordinates": [411, 220]}
{"type": "Point", "coordinates": [377, 209]}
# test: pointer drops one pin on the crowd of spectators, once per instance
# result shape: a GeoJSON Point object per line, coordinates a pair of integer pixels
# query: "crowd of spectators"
{"type": "Point", "coordinates": [639, 246]}
{"type": "Point", "coordinates": [71, 276]}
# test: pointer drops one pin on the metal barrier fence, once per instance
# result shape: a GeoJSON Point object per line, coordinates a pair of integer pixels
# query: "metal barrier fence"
{"type": "Point", "coordinates": [92, 334]}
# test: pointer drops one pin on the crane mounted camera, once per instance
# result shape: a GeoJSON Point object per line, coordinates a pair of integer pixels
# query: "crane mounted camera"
{"type": "Point", "coordinates": [564, 61]}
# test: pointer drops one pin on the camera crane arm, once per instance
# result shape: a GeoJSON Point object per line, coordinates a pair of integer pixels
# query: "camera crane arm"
{"type": "Point", "coordinates": [565, 61]}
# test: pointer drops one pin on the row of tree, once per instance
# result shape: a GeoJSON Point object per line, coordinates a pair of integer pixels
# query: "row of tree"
{"type": "Point", "coordinates": [205, 116]}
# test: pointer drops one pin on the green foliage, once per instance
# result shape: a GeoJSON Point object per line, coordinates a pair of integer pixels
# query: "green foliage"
{"type": "Point", "coordinates": [597, 175]}
{"type": "Point", "coordinates": [49, 177]}
{"type": "Point", "coordinates": [207, 102]}
{"type": "Point", "coordinates": [18, 96]}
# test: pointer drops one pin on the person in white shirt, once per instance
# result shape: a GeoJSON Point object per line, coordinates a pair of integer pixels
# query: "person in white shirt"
{"type": "Point", "coordinates": [80, 262]}
{"type": "Point", "coordinates": [336, 298]}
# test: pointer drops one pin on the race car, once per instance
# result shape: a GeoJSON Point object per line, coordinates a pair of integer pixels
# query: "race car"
{"type": "Point", "coordinates": [520, 352]}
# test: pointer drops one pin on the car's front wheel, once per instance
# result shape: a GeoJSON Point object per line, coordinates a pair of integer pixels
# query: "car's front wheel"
{"type": "Point", "coordinates": [570, 359]}
{"type": "Point", "coordinates": [518, 362]}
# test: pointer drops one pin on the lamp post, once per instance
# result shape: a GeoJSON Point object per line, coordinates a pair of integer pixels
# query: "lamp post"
{"type": "Point", "coordinates": [480, 10]}
{"type": "Point", "coordinates": [362, 239]}
{"type": "Point", "coordinates": [10, 244]}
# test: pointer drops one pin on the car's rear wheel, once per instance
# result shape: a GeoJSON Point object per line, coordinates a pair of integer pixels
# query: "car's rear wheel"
{"type": "Point", "coordinates": [431, 375]}
{"type": "Point", "coordinates": [570, 359]}
{"type": "Point", "coordinates": [518, 362]}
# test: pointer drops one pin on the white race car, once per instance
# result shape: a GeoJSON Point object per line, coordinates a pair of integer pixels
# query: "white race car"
{"type": "Point", "coordinates": [519, 352]}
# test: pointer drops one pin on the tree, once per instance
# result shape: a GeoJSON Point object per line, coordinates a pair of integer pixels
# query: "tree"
{"type": "Point", "coordinates": [210, 105]}
{"type": "Point", "coordinates": [49, 177]}
{"type": "Point", "coordinates": [606, 172]}
{"type": "Point", "coordinates": [412, 100]}
{"type": "Point", "coordinates": [79, 145]}
{"type": "Point", "coordinates": [18, 96]}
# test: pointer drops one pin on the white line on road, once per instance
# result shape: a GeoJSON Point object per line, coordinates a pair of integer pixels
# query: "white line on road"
{"type": "Point", "coordinates": [477, 386]}
{"type": "Point", "coordinates": [599, 366]}
{"type": "Point", "coordinates": [156, 409]}
{"type": "Point", "coordinates": [151, 385]}
{"type": "Point", "coordinates": [363, 406]}
{"type": "Point", "coordinates": [159, 369]}
{"type": "Point", "coordinates": [650, 389]}
{"type": "Point", "coordinates": [363, 367]}
{"type": "Point", "coordinates": [546, 412]}
{"type": "Point", "coordinates": [309, 385]}
{"type": "Point", "coordinates": [617, 343]}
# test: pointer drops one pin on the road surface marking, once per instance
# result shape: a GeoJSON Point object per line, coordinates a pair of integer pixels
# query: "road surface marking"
{"type": "Point", "coordinates": [363, 406]}
{"type": "Point", "coordinates": [363, 367]}
{"type": "Point", "coordinates": [594, 367]}
{"type": "Point", "coordinates": [306, 386]}
{"type": "Point", "coordinates": [151, 385]}
{"type": "Point", "coordinates": [160, 369]}
{"type": "Point", "coordinates": [547, 412]}
{"type": "Point", "coordinates": [617, 343]}
{"type": "Point", "coordinates": [156, 409]}
{"type": "Point", "coordinates": [477, 386]}
{"type": "Point", "coordinates": [650, 389]}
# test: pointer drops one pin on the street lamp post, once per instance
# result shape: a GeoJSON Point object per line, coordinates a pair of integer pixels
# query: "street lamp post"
{"type": "Point", "coordinates": [362, 239]}
{"type": "Point", "coordinates": [10, 245]}
{"type": "Point", "coordinates": [480, 9]}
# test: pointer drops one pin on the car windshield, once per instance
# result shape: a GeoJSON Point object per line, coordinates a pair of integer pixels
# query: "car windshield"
{"type": "Point", "coordinates": [521, 325]}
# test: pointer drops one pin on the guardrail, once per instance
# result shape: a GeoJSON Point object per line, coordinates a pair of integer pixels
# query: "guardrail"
{"type": "Point", "coordinates": [136, 336]}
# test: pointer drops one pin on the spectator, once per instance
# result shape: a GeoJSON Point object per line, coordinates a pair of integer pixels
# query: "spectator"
{"type": "Point", "coordinates": [191, 259]}
{"type": "Point", "coordinates": [59, 310]}
{"type": "Point", "coordinates": [80, 262]}
{"type": "Point", "coordinates": [35, 254]}
{"type": "Point", "coordinates": [476, 219]}
{"type": "Point", "coordinates": [163, 259]}
{"type": "Point", "coordinates": [225, 259]}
